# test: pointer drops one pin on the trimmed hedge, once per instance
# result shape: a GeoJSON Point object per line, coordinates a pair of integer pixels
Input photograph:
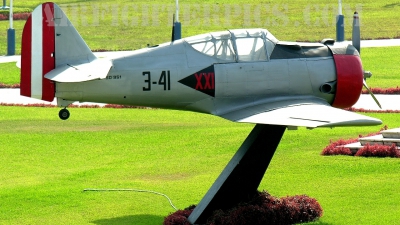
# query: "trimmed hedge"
{"type": "Point", "coordinates": [372, 110]}
{"type": "Point", "coordinates": [333, 149]}
{"type": "Point", "coordinates": [48, 105]}
{"type": "Point", "coordinates": [367, 151]}
{"type": "Point", "coordinates": [260, 210]}
{"type": "Point", "coordinates": [179, 217]}
{"type": "Point", "coordinates": [2, 85]}
{"type": "Point", "coordinates": [379, 151]}
{"type": "Point", "coordinates": [16, 16]}
{"type": "Point", "coordinates": [386, 91]}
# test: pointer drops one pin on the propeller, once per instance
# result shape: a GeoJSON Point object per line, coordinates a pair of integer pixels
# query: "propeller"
{"type": "Point", "coordinates": [356, 42]}
{"type": "Point", "coordinates": [372, 94]}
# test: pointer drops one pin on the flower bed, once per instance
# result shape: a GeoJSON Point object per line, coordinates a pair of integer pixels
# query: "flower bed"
{"type": "Point", "coordinates": [48, 105]}
{"type": "Point", "coordinates": [262, 209]}
{"type": "Point", "coordinates": [379, 151]}
{"type": "Point", "coordinates": [372, 110]}
{"type": "Point", "coordinates": [384, 91]}
{"type": "Point", "coordinates": [336, 148]}
{"type": "Point", "coordinates": [9, 85]}
{"type": "Point", "coordinates": [16, 16]}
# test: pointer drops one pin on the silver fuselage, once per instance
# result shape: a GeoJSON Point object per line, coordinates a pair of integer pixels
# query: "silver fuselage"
{"type": "Point", "coordinates": [150, 77]}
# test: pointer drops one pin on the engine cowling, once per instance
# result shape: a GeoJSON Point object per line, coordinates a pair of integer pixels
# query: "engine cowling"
{"type": "Point", "coordinates": [349, 74]}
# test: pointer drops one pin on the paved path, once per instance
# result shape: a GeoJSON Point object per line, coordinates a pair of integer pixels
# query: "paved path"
{"type": "Point", "coordinates": [364, 44]}
{"type": "Point", "coordinates": [12, 96]}
{"type": "Point", "coordinates": [388, 102]}
{"type": "Point", "coordinates": [378, 43]}
{"type": "Point", "coordinates": [8, 59]}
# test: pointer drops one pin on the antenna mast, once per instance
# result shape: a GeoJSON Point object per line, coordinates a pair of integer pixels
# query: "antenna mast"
{"type": "Point", "coordinates": [177, 11]}
{"type": "Point", "coordinates": [340, 23]}
{"type": "Point", "coordinates": [176, 27]}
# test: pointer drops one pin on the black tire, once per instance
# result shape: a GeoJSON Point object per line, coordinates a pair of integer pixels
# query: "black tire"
{"type": "Point", "coordinates": [64, 114]}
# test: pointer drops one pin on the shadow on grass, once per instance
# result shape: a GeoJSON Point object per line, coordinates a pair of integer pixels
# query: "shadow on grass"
{"type": "Point", "coordinates": [136, 219]}
{"type": "Point", "coordinates": [392, 5]}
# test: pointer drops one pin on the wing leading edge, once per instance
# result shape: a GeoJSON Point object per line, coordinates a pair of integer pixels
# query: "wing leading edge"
{"type": "Point", "coordinates": [310, 114]}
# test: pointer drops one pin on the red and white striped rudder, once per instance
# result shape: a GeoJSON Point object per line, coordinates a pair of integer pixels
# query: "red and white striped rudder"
{"type": "Point", "coordinates": [38, 53]}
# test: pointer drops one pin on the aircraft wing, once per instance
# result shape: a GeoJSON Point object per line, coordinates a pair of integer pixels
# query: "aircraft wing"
{"type": "Point", "coordinates": [310, 114]}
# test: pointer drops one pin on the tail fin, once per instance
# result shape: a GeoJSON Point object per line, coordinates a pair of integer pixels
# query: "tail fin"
{"type": "Point", "coordinates": [48, 40]}
{"type": "Point", "coordinates": [37, 55]}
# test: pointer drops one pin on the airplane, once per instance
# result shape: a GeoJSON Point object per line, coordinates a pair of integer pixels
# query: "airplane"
{"type": "Point", "coordinates": [242, 75]}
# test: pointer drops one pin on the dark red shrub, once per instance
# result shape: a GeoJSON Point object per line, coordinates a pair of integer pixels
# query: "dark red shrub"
{"type": "Point", "coordinates": [372, 110]}
{"type": "Point", "coordinates": [179, 217]}
{"type": "Point", "coordinates": [333, 149]}
{"type": "Point", "coordinates": [379, 151]}
{"type": "Point", "coordinates": [115, 106]}
{"type": "Point", "coordinates": [337, 151]}
{"type": "Point", "coordinates": [21, 16]}
{"type": "Point", "coordinates": [266, 209]}
{"type": "Point", "coordinates": [246, 214]}
{"type": "Point", "coordinates": [302, 208]}
{"type": "Point", "coordinates": [385, 91]}
{"type": "Point", "coordinates": [29, 105]}
{"type": "Point", "coordinates": [263, 209]}
{"type": "Point", "coordinates": [9, 85]}
{"type": "Point", "coordinates": [16, 16]}
{"type": "Point", "coordinates": [48, 105]}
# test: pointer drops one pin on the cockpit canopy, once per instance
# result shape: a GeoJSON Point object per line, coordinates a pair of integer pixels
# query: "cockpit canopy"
{"type": "Point", "coordinates": [240, 45]}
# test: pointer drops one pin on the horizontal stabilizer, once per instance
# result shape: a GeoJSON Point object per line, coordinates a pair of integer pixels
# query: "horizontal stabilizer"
{"type": "Point", "coordinates": [94, 70]}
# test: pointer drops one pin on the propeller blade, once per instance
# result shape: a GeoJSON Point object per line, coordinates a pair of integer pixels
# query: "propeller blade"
{"type": "Point", "coordinates": [372, 94]}
{"type": "Point", "coordinates": [356, 41]}
{"type": "Point", "coordinates": [356, 32]}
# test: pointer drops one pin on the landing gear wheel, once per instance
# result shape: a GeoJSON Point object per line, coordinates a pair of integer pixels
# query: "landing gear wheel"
{"type": "Point", "coordinates": [64, 114]}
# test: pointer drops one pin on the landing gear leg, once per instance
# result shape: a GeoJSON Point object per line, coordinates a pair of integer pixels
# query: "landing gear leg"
{"type": "Point", "coordinates": [64, 114]}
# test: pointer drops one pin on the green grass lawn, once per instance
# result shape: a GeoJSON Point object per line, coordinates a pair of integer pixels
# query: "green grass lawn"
{"type": "Point", "coordinates": [384, 65]}
{"type": "Point", "coordinates": [46, 163]}
{"type": "Point", "coordinates": [125, 25]}
{"type": "Point", "coordinates": [9, 73]}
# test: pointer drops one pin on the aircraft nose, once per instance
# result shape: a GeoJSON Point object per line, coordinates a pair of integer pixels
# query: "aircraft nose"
{"type": "Point", "coordinates": [350, 77]}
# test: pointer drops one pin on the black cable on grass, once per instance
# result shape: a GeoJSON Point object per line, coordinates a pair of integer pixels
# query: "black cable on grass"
{"type": "Point", "coordinates": [134, 190]}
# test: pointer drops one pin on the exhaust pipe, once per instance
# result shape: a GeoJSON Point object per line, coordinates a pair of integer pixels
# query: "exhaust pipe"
{"type": "Point", "coordinates": [328, 87]}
